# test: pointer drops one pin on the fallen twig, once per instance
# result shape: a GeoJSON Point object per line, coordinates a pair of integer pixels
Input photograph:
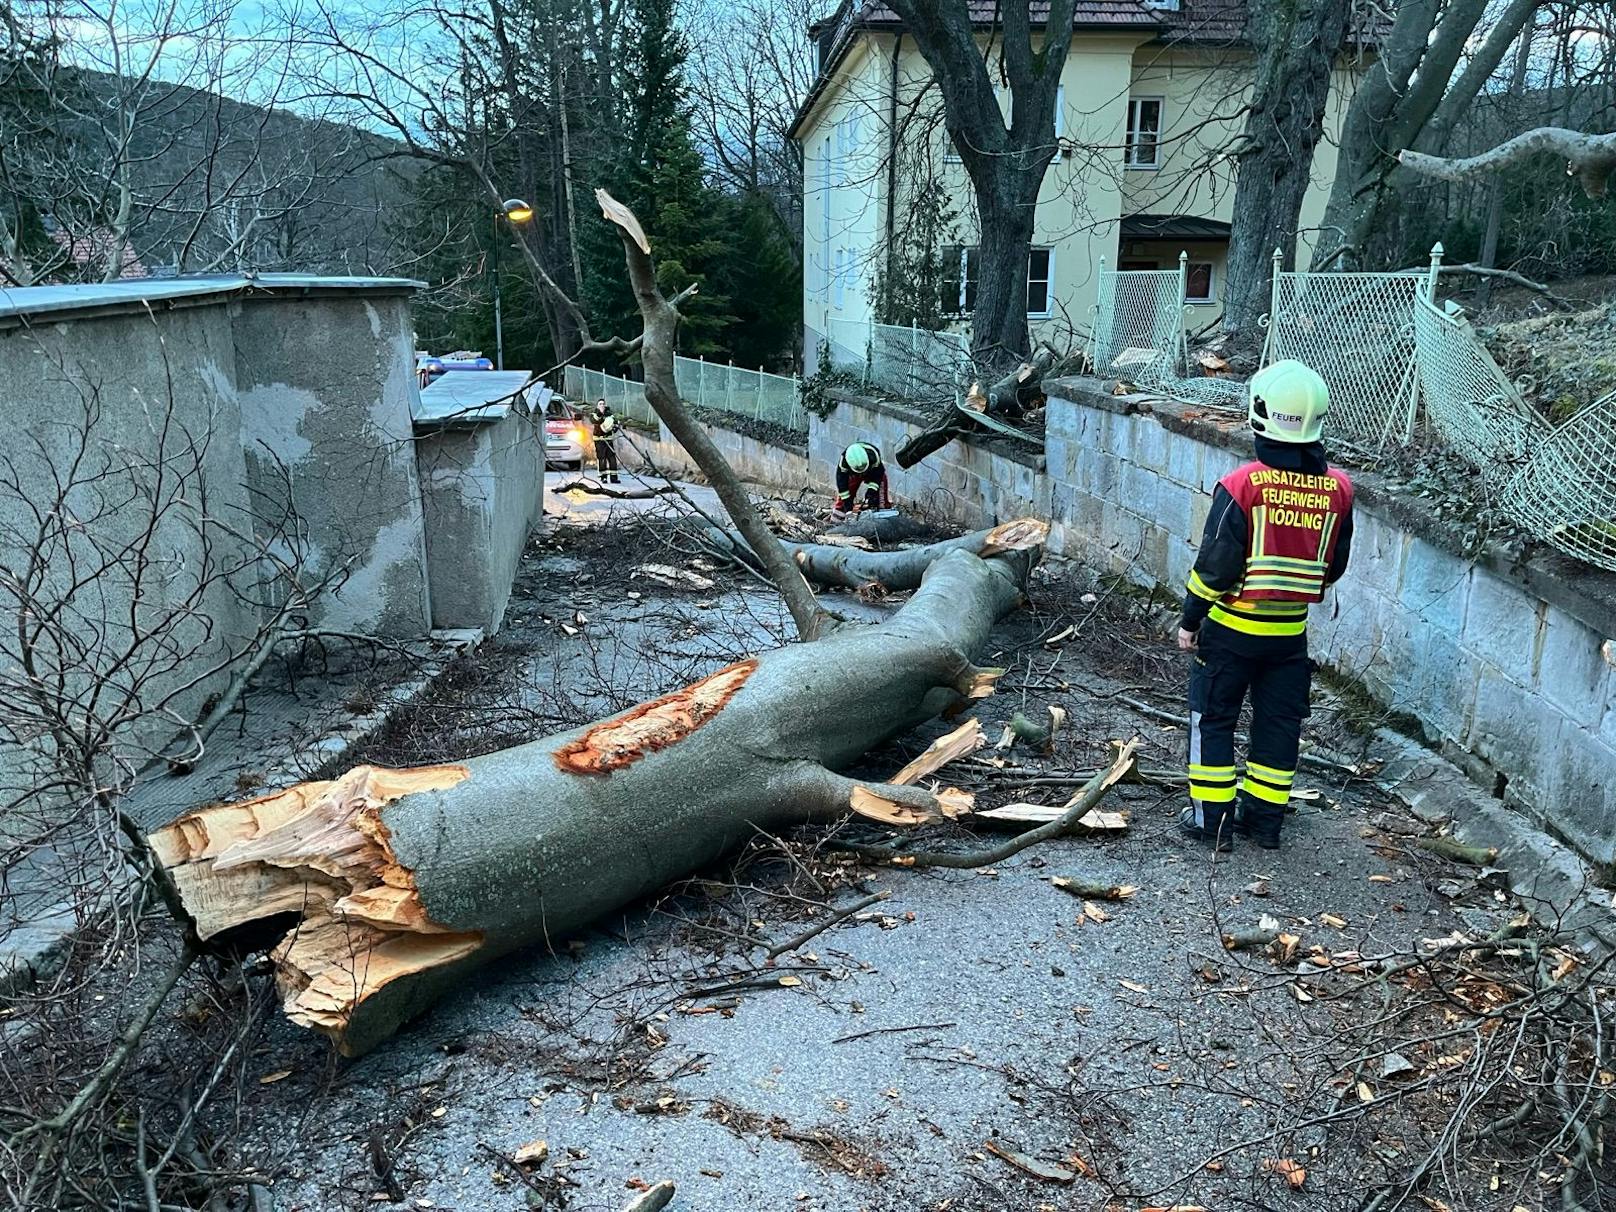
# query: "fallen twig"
{"type": "Point", "coordinates": [819, 928]}
{"type": "Point", "coordinates": [847, 1039]}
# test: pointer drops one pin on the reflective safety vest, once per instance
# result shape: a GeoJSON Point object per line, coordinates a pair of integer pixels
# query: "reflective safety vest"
{"type": "Point", "coordinates": [1293, 519]}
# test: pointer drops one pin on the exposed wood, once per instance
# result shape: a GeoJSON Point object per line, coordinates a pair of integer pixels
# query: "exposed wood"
{"type": "Point", "coordinates": [967, 738]}
{"type": "Point", "coordinates": [653, 1200]}
{"type": "Point", "coordinates": [1030, 1165]}
{"type": "Point", "coordinates": [1088, 891]}
{"type": "Point", "coordinates": [1012, 395]}
{"type": "Point", "coordinates": [1081, 804]}
{"type": "Point", "coordinates": [386, 888]}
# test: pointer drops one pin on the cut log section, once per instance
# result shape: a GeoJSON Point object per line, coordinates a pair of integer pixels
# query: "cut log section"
{"type": "Point", "coordinates": [896, 571]}
{"type": "Point", "coordinates": [385, 888]}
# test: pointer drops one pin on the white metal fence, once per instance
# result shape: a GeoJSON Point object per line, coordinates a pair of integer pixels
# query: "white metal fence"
{"type": "Point", "coordinates": [1357, 331]}
{"type": "Point", "coordinates": [1138, 334]}
{"type": "Point", "coordinates": [915, 363]}
{"type": "Point", "coordinates": [1383, 343]}
{"type": "Point", "coordinates": [715, 385]}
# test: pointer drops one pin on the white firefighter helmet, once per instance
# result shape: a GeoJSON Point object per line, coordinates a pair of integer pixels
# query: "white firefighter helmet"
{"type": "Point", "coordinates": [858, 457]}
{"type": "Point", "coordinates": [1288, 402]}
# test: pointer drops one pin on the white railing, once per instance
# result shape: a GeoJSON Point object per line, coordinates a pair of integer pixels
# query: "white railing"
{"type": "Point", "coordinates": [1138, 334]}
{"type": "Point", "coordinates": [914, 363]}
{"type": "Point", "coordinates": [716, 385]}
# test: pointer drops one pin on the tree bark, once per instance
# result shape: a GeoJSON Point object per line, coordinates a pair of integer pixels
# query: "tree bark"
{"type": "Point", "coordinates": [386, 889]}
{"type": "Point", "coordinates": [1301, 45]}
{"type": "Point", "coordinates": [896, 571]}
{"type": "Point", "coordinates": [1591, 157]}
{"type": "Point", "coordinates": [1410, 95]}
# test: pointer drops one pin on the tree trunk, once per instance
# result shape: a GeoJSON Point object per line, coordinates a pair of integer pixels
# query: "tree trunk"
{"type": "Point", "coordinates": [1006, 204]}
{"type": "Point", "coordinates": [1006, 163]}
{"type": "Point", "coordinates": [1411, 98]}
{"type": "Point", "coordinates": [387, 889]}
{"type": "Point", "coordinates": [1286, 120]}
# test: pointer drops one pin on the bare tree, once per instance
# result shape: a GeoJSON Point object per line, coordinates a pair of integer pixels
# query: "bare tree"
{"type": "Point", "coordinates": [121, 153]}
{"type": "Point", "coordinates": [1411, 98]}
{"type": "Point", "coordinates": [1299, 45]}
{"type": "Point", "coordinates": [1006, 163]}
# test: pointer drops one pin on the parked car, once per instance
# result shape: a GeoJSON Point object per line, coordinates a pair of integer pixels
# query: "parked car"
{"type": "Point", "coordinates": [566, 434]}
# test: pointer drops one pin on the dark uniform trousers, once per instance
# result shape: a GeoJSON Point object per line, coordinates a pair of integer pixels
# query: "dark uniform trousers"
{"type": "Point", "coordinates": [1277, 674]}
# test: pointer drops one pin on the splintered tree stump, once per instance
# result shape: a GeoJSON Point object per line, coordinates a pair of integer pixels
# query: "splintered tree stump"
{"type": "Point", "coordinates": [380, 890]}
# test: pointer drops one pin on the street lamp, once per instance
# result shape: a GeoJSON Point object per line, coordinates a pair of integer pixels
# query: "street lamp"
{"type": "Point", "coordinates": [513, 210]}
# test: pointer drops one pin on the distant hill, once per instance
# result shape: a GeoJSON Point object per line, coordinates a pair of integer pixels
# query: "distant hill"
{"type": "Point", "coordinates": [222, 185]}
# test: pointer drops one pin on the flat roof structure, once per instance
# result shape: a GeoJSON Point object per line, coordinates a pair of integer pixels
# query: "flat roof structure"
{"type": "Point", "coordinates": [20, 304]}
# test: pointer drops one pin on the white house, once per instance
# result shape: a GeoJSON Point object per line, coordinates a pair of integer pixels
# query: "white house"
{"type": "Point", "coordinates": [1151, 104]}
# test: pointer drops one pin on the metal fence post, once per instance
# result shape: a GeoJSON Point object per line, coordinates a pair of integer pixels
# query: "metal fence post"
{"type": "Point", "coordinates": [1270, 341]}
{"type": "Point", "coordinates": [1436, 270]}
{"type": "Point", "coordinates": [1181, 350]}
{"type": "Point", "coordinates": [729, 387]}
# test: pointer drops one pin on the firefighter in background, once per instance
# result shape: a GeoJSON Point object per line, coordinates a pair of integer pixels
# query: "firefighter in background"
{"type": "Point", "coordinates": [605, 426]}
{"type": "Point", "coordinates": [1279, 531]}
{"type": "Point", "coordinates": [861, 480]}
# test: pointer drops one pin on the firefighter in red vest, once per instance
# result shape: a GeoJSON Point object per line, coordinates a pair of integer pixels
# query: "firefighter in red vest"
{"type": "Point", "coordinates": [1278, 533]}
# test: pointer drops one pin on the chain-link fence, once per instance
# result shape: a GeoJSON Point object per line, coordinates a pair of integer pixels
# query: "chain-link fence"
{"type": "Point", "coordinates": [1139, 335]}
{"type": "Point", "coordinates": [1357, 331]}
{"type": "Point", "coordinates": [847, 346]}
{"type": "Point", "coordinates": [716, 385]}
{"type": "Point", "coordinates": [1566, 492]}
{"type": "Point", "coordinates": [626, 397]}
{"type": "Point", "coordinates": [914, 363]}
{"type": "Point", "coordinates": [1470, 403]}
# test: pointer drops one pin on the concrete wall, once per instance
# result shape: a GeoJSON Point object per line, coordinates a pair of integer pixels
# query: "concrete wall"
{"type": "Point", "coordinates": [758, 462]}
{"type": "Point", "coordinates": [153, 425]}
{"type": "Point", "coordinates": [1503, 663]}
{"type": "Point", "coordinates": [967, 484]}
{"type": "Point", "coordinates": [327, 387]}
{"type": "Point", "coordinates": [483, 489]}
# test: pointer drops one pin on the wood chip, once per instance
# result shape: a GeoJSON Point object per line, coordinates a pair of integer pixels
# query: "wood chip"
{"type": "Point", "coordinates": [532, 1154]}
{"type": "Point", "coordinates": [967, 738]}
{"type": "Point", "coordinates": [1031, 1165]}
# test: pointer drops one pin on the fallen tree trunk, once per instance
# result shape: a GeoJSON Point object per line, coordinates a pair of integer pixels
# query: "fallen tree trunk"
{"type": "Point", "coordinates": [1011, 396]}
{"type": "Point", "coordinates": [854, 568]}
{"type": "Point", "coordinates": [383, 889]}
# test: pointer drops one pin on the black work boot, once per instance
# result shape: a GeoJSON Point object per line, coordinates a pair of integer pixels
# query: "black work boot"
{"type": "Point", "coordinates": [1261, 825]}
{"type": "Point", "coordinates": [1215, 830]}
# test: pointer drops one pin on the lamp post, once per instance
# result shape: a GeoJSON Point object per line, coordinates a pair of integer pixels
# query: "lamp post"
{"type": "Point", "coordinates": [513, 210]}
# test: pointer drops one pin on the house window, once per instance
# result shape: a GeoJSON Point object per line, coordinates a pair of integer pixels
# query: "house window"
{"type": "Point", "coordinates": [1060, 111]}
{"type": "Point", "coordinates": [950, 151]}
{"type": "Point", "coordinates": [961, 269]}
{"type": "Point", "coordinates": [1144, 132]}
{"type": "Point", "coordinates": [843, 260]}
{"type": "Point", "coordinates": [1040, 276]}
{"type": "Point", "coordinates": [1198, 282]}
{"type": "Point", "coordinates": [823, 260]}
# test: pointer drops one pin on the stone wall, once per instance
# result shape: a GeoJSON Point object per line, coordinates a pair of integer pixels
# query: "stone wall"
{"type": "Point", "coordinates": [782, 468]}
{"type": "Point", "coordinates": [971, 485]}
{"type": "Point", "coordinates": [1503, 664]}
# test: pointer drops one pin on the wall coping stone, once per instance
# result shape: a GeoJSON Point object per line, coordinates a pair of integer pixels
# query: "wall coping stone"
{"type": "Point", "coordinates": [1587, 594]}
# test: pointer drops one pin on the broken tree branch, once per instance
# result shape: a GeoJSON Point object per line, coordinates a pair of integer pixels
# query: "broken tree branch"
{"type": "Point", "coordinates": [1591, 158]}
{"type": "Point", "coordinates": [841, 915]}
{"type": "Point", "coordinates": [1092, 793]}
{"type": "Point", "coordinates": [661, 320]}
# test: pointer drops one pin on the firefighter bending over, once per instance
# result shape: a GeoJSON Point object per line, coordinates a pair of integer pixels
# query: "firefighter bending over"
{"type": "Point", "coordinates": [861, 480]}
{"type": "Point", "coordinates": [1279, 531]}
{"type": "Point", "coordinates": [605, 426]}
